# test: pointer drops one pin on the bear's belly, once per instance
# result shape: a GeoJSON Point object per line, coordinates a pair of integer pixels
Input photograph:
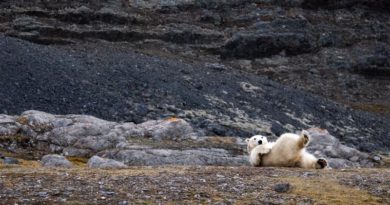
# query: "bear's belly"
{"type": "Point", "coordinates": [281, 159]}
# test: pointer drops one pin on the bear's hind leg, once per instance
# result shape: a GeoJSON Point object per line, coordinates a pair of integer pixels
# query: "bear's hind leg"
{"type": "Point", "coordinates": [308, 161]}
{"type": "Point", "coordinates": [304, 139]}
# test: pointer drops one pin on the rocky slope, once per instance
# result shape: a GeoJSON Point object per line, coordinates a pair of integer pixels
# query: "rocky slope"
{"type": "Point", "coordinates": [116, 83]}
{"type": "Point", "coordinates": [337, 49]}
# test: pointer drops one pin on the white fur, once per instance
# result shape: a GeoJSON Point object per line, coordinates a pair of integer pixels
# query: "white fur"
{"type": "Point", "coordinates": [258, 149]}
{"type": "Point", "coordinates": [288, 151]}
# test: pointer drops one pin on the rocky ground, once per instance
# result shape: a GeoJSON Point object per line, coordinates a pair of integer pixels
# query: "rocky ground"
{"type": "Point", "coordinates": [124, 84]}
{"type": "Point", "coordinates": [209, 185]}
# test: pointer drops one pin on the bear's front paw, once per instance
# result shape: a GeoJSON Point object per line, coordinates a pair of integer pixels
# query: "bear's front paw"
{"type": "Point", "coordinates": [321, 163]}
{"type": "Point", "coordinates": [264, 151]}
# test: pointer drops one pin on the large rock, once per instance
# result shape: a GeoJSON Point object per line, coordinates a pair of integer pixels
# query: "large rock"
{"type": "Point", "coordinates": [83, 135]}
{"type": "Point", "coordinates": [339, 156]}
{"type": "Point", "coordinates": [99, 162]}
{"type": "Point", "coordinates": [37, 121]}
{"type": "Point", "coordinates": [151, 157]}
{"type": "Point", "coordinates": [54, 160]}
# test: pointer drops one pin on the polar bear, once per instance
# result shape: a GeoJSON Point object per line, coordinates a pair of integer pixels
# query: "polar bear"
{"type": "Point", "coordinates": [287, 151]}
{"type": "Point", "coordinates": [261, 145]}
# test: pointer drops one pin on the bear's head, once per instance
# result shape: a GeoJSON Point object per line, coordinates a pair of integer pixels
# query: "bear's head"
{"type": "Point", "coordinates": [254, 141]}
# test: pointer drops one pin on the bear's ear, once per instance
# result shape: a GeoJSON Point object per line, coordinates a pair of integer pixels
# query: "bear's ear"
{"type": "Point", "coordinates": [247, 139]}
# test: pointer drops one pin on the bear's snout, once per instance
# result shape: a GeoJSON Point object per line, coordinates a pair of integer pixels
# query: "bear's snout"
{"type": "Point", "coordinates": [260, 142]}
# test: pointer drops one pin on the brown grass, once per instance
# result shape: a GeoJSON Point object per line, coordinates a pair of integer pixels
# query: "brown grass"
{"type": "Point", "coordinates": [328, 191]}
{"type": "Point", "coordinates": [78, 161]}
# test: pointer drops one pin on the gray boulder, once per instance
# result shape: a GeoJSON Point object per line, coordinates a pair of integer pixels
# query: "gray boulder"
{"type": "Point", "coordinates": [8, 125]}
{"type": "Point", "coordinates": [36, 120]}
{"type": "Point", "coordinates": [55, 160]}
{"type": "Point", "coordinates": [325, 145]}
{"type": "Point", "coordinates": [99, 162]}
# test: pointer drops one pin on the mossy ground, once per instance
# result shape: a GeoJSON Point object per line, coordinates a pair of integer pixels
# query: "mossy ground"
{"type": "Point", "coordinates": [30, 183]}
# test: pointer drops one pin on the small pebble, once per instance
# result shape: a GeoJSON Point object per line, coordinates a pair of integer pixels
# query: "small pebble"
{"type": "Point", "coordinates": [42, 194]}
{"type": "Point", "coordinates": [377, 158]}
{"type": "Point", "coordinates": [10, 160]}
{"type": "Point", "coordinates": [282, 188]}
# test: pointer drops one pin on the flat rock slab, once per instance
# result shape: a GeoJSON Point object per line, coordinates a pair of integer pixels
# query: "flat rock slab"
{"type": "Point", "coordinates": [153, 157]}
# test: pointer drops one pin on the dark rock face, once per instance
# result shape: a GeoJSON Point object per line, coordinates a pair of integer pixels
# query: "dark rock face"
{"type": "Point", "coordinates": [334, 4]}
{"type": "Point", "coordinates": [267, 39]}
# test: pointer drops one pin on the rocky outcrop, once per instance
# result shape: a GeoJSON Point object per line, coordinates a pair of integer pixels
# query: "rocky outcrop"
{"type": "Point", "coordinates": [82, 135]}
{"type": "Point", "coordinates": [338, 155]}
{"type": "Point", "coordinates": [264, 39]}
{"type": "Point", "coordinates": [150, 143]}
